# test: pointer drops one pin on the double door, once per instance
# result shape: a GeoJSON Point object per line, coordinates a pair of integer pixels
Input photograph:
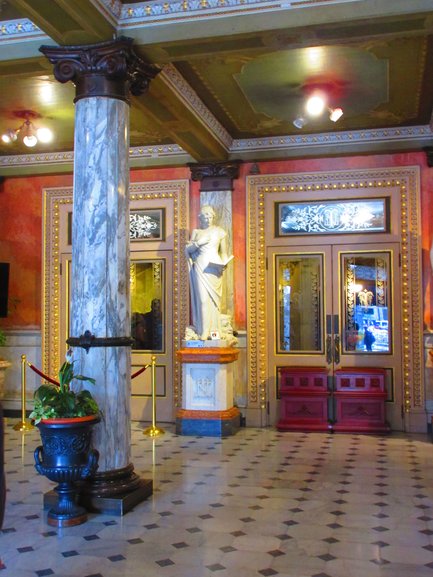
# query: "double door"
{"type": "Point", "coordinates": [335, 306]}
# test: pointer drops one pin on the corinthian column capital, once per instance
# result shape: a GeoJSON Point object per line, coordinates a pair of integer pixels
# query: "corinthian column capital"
{"type": "Point", "coordinates": [110, 69]}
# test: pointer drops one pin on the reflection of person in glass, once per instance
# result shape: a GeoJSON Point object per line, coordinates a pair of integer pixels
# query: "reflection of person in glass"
{"type": "Point", "coordinates": [147, 328]}
{"type": "Point", "coordinates": [207, 260]}
{"type": "Point", "coordinates": [369, 338]}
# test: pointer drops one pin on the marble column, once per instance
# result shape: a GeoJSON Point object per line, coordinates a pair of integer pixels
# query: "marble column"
{"type": "Point", "coordinates": [103, 75]}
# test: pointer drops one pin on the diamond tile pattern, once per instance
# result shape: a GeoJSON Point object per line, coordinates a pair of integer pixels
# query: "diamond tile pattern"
{"type": "Point", "coordinates": [260, 503]}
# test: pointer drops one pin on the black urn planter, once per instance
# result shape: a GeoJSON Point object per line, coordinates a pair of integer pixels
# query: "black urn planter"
{"type": "Point", "coordinates": [65, 457]}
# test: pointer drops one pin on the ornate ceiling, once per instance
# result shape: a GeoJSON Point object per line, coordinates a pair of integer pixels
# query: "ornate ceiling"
{"type": "Point", "coordinates": [235, 74]}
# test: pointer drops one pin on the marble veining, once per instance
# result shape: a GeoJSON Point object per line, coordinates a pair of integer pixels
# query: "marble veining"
{"type": "Point", "coordinates": [100, 265]}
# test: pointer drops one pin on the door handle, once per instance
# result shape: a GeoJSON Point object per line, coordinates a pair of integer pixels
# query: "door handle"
{"type": "Point", "coordinates": [329, 349]}
{"type": "Point", "coordinates": [337, 349]}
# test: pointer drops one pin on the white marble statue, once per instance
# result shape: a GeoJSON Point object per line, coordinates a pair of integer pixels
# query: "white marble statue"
{"type": "Point", "coordinates": [207, 259]}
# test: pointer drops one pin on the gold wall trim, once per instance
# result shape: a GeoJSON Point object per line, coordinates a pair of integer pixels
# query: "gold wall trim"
{"type": "Point", "coordinates": [407, 181]}
{"type": "Point", "coordinates": [54, 199]}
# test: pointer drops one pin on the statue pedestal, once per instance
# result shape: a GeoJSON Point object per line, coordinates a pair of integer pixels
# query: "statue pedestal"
{"type": "Point", "coordinates": [207, 392]}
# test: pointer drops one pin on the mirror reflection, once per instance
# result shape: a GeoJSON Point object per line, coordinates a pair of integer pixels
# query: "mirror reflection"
{"type": "Point", "coordinates": [146, 278]}
{"type": "Point", "coordinates": [367, 320]}
{"type": "Point", "coordinates": [299, 282]}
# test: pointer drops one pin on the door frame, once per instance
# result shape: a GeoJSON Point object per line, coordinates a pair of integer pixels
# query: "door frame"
{"type": "Point", "coordinates": [402, 187]}
{"type": "Point", "coordinates": [332, 296]}
{"type": "Point", "coordinates": [173, 196]}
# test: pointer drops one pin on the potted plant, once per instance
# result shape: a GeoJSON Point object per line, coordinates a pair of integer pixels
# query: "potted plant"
{"type": "Point", "coordinates": [65, 418]}
{"type": "Point", "coordinates": [4, 364]}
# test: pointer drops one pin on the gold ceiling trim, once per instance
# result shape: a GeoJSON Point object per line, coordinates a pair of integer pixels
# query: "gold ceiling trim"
{"type": "Point", "coordinates": [407, 181]}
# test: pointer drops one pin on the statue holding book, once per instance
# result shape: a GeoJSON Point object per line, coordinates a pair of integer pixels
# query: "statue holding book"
{"type": "Point", "coordinates": [207, 259]}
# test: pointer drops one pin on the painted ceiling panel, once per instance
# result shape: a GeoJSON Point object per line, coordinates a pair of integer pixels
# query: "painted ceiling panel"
{"type": "Point", "coordinates": [263, 94]}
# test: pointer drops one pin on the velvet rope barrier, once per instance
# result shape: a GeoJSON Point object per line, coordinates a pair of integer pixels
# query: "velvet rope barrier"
{"type": "Point", "coordinates": [41, 374]}
{"type": "Point", "coordinates": [140, 371]}
{"type": "Point", "coordinates": [50, 380]}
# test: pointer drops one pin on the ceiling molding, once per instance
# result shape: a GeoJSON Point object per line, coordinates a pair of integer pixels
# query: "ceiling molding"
{"type": "Point", "coordinates": [19, 30]}
{"type": "Point", "coordinates": [180, 10]}
{"type": "Point", "coordinates": [140, 156]}
{"type": "Point", "coordinates": [189, 97]}
{"type": "Point", "coordinates": [158, 21]}
{"type": "Point", "coordinates": [384, 141]}
{"type": "Point", "coordinates": [112, 7]}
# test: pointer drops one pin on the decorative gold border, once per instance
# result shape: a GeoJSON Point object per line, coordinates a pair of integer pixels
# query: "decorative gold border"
{"type": "Point", "coordinates": [406, 179]}
{"type": "Point", "coordinates": [54, 198]}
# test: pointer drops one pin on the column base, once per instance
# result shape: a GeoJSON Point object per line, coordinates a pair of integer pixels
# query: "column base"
{"type": "Point", "coordinates": [208, 423]}
{"type": "Point", "coordinates": [110, 492]}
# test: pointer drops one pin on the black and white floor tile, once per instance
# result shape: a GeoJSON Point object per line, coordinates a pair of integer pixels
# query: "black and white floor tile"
{"type": "Point", "coordinates": [260, 503]}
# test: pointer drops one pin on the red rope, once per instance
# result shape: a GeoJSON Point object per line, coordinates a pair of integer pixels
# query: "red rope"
{"type": "Point", "coordinates": [139, 371]}
{"type": "Point", "coordinates": [50, 380]}
{"type": "Point", "coordinates": [47, 378]}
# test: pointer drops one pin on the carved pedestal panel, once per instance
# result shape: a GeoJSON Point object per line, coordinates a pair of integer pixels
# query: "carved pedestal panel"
{"type": "Point", "coordinates": [207, 387]}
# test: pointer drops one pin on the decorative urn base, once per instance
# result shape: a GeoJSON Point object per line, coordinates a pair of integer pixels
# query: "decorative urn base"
{"type": "Point", "coordinates": [65, 457]}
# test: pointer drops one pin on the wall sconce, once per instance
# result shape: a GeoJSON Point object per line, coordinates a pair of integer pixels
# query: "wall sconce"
{"type": "Point", "coordinates": [29, 133]}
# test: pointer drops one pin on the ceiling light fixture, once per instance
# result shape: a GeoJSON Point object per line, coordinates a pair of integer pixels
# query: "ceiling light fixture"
{"type": "Point", "coordinates": [29, 133]}
{"type": "Point", "coordinates": [314, 107]}
{"type": "Point", "coordinates": [318, 94]}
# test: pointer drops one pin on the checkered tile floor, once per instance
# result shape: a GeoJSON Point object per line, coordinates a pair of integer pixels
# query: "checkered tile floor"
{"type": "Point", "coordinates": [260, 503]}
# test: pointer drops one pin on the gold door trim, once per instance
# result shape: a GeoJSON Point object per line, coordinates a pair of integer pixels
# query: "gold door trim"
{"type": "Point", "coordinates": [57, 204]}
{"type": "Point", "coordinates": [405, 229]}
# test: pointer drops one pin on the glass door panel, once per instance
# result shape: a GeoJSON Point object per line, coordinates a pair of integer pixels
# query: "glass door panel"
{"type": "Point", "coordinates": [151, 317]}
{"type": "Point", "coordinates": [300, 288]}
{"type": "Point", "coordinates": [366, 302]}
{"type": "Point", "coordinates": [147, 280]}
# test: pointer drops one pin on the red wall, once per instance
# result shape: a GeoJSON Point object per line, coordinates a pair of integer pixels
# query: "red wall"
{"type": "Point", "coordinates": [21, 245]}
{"type": "Point", "coordinates": [21, 225]}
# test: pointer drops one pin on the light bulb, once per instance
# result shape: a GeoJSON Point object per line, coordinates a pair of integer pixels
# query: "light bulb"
{"type": "Point", "coordinates": [44, 135]}
{"type": "Point", "coordinates": [336, 114]}
{"type": "Point", "coordinates": [315, 105]}
{"type": "Point", "coordinates": [30, 140]}
{"type": "Point", "coordinates": [9, 136]}
{"type": "Point", "coordinates": [299, 122]}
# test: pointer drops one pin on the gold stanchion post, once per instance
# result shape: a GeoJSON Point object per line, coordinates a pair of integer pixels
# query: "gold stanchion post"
{"type": "Point", "coordinates": [153, 430]}
{"type": "Point", "coordinates": [24, 425]}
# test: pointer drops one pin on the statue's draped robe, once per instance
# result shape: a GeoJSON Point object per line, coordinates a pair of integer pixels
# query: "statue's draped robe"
{"type": "Point", "coordinates": [206, 280]}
